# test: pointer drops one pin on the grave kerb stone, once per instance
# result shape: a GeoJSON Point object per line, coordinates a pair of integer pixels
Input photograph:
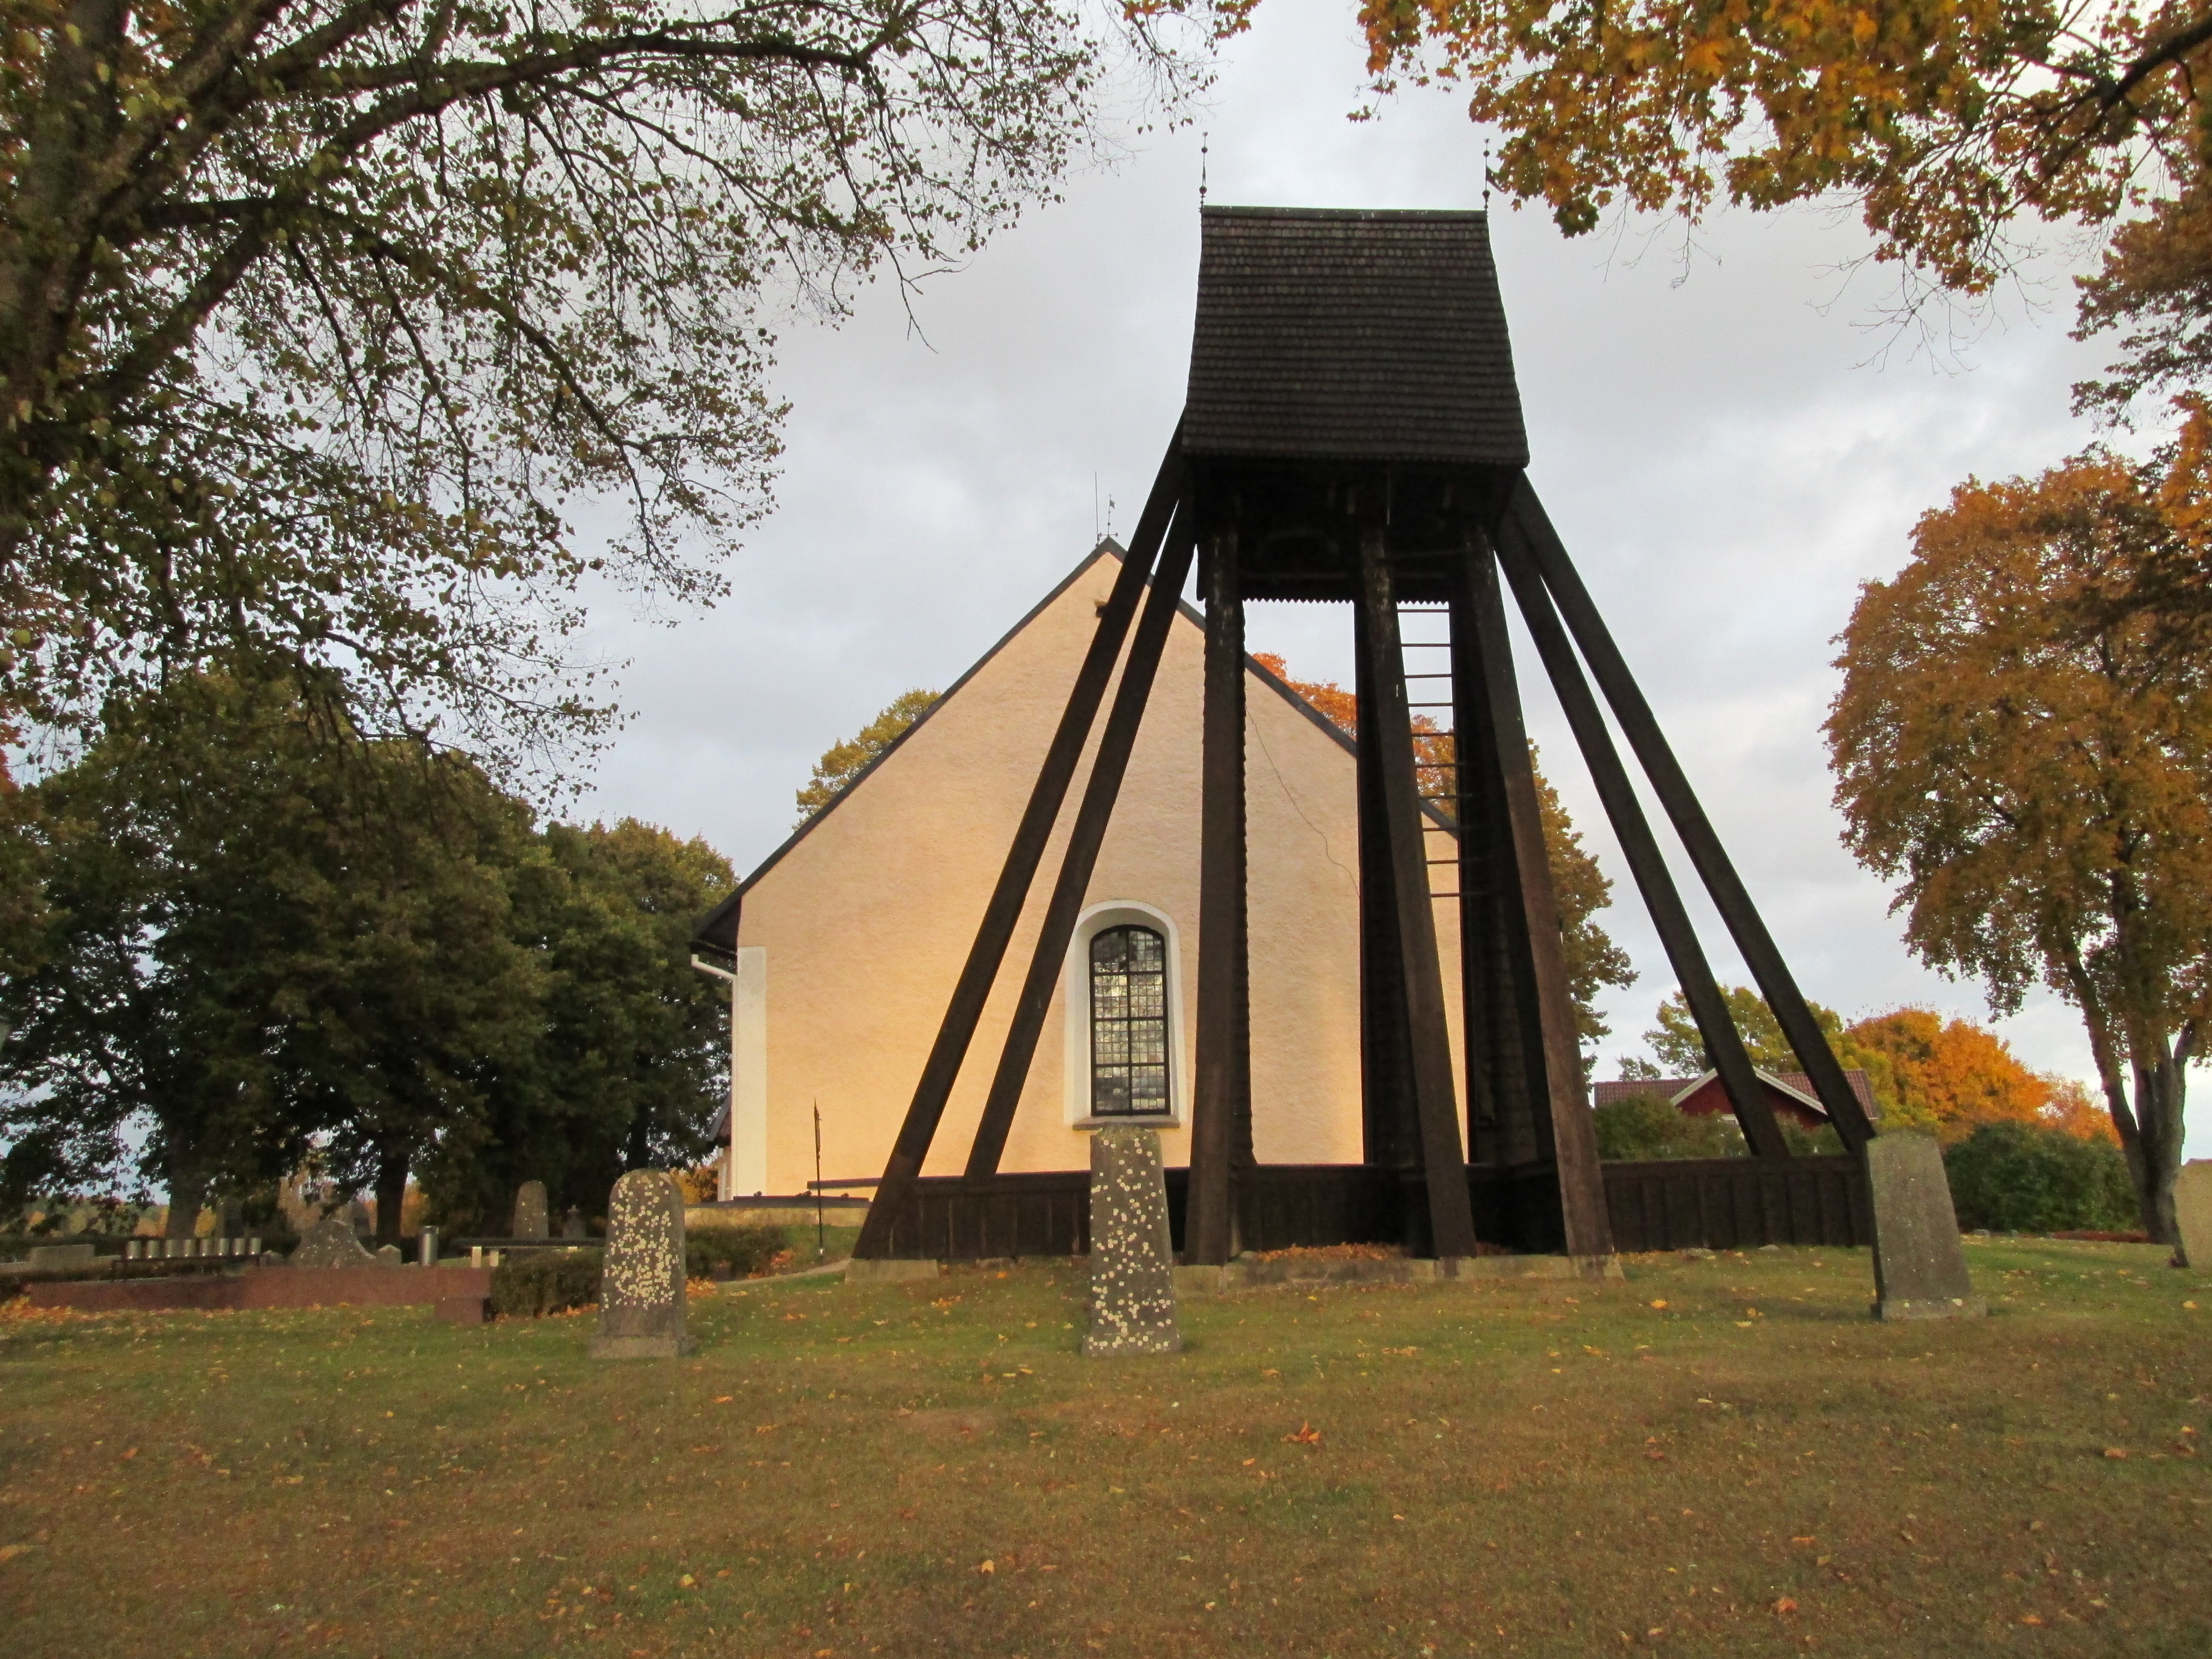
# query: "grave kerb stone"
{"type": "Point", "coordinates": [1133, 1291]}
{"type": "Point", "coordinates": [2192, 1215]}
{"type": "Point", "coordinates": [1919, 1264]}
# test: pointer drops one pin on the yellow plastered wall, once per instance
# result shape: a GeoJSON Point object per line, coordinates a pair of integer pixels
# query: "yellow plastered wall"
{"type": "Point", "coordinates": [865, 920]}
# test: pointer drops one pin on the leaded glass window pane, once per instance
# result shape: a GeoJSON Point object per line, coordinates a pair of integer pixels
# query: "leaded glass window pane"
{"type": "Point", "coordinates": [1129, 1024]}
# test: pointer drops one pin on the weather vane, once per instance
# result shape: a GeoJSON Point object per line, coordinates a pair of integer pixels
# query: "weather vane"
{"type": "Point", "coordinates": [1204, 138]}
{"type": "Point", "coordinates": [1485, 177]}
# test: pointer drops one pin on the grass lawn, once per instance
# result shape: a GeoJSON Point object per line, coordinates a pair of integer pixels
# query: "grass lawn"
{"type": "Point", "coordinates": [1716, 1457]}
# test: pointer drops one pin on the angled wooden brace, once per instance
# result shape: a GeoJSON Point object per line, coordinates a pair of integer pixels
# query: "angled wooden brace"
{"type": "Point", "coordinates": [1669, 781]}
{"type": "Point", "coordinates": [973, 989]}
{"type": "Point", "coordinates": [1746, 1093]}
{"type": "Point", "coordinates": [1572, 1136]}
{"type": "Point", "coordinates": [1083, 841]}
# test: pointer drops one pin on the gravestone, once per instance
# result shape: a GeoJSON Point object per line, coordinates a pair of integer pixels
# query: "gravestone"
{"type": "Point", "coordinates": [388, 1255]}
{"type": "Point", "coordinates": [572, 1225]}
{"type": "Point", "coordinates": [530, 1212]}
{"type": "Point", "coordinates": [60, 1255]}
{"type": "Point", "coordinates": [1919, 1266]}
{"type": "Point", "coordinates": [2192, 1214]}
{"type": "Point", "coordinates": [331, 1243]}
{"type": "Point", "coordinates": [641, 1282]}
{"type": "Point", "coordinates": [1132, 1303]}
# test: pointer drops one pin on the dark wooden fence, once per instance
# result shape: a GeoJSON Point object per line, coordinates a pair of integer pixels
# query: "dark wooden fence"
{"type": "Point", "coordinates": [1738, 1203]}
{"type": "Point", "coordinates": [1721, 1204]}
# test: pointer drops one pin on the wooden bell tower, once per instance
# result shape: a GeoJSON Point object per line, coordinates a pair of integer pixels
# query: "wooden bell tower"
{"type": "Point", "coordinates": [1352, 435]}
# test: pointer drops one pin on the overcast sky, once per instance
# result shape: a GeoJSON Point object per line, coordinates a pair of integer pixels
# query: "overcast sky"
{"type": "Point", "coordinates": [1729, 442]}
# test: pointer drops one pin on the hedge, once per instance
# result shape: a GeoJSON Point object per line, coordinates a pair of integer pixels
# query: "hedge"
{"type": "Point", "coordinates": [744, 1251]}
{"type": "Point", "coordinates": [530, 1283]}
{"type": "Point", "coordinates": [2029, 1178]}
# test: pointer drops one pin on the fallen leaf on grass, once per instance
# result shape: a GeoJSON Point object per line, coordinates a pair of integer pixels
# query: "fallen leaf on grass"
{"type": "Point", "coordinates": [724, 1398]}
{"type": "Point", "coordinates": [1804, 1541]}
{"type": "Point", "coordinates": [10, 1552]}
{"type": "Point", "coordinates": [2118, 1454]}
{"type": "Point", "coordinates": [1784, 1604]}
{"type": "Point", "coordinates": [1306, 1435]}
{"type": "Point", "coordinates": [989, 1566]}
{"type": "Point", "coordinates": [687, 1582]}
{"type": "Point", "coordinates": [1661, 1302]}
{"type": "Point", "coordinates": [2029, 1618]}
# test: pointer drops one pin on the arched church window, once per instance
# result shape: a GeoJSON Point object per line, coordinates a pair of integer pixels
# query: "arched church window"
{"type": "Point", "coordinates": [1129, 1024]}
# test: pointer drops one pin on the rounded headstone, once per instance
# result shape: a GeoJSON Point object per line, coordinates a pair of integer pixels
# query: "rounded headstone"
{"type": "Point", "coordinates": [641, 1281]}
{"type": "Point", "coordinates": [530, 1212]}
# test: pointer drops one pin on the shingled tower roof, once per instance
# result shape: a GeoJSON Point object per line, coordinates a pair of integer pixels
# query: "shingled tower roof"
{"type": "Point", "coordinates": [1352, 335]}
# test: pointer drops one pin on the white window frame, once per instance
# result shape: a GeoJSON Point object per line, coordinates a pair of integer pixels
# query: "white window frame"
{"type": "Point", "coordinates": [1076, 993]}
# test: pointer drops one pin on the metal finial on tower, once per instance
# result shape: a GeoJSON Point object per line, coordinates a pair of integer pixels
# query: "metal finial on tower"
{"type": "Point", "coordinates": [1486, 176]}
{"type": "Point", "coordinates": [1204, 139]}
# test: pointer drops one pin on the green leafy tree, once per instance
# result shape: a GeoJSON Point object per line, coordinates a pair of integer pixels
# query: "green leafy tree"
{"type": "Point", "coordinates": [1681, 1051]}
{"type": "Point", "coordinates": [401, 994]}
{"type": "Point", "coordinates": [843, 761]}
{"type": "Point", "coordinates": [317, 317]}
{"type": "Point", "coordinates": [632, 1051]}
{"type": "Point", "coordinates": [142, 1001]}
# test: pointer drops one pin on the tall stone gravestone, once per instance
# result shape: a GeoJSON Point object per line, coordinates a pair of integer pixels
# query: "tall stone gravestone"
{"type": "Point", "coordinates": [1132, 1303]}
{"type": "Point", "coordinates": [642, 1285]}
{"type": "Point", "coordinates": [530, 1220]}
{"type": "Point", "coordinates": [2192, 1214]}
{"type": "Point", "coordinates": [331, 1242]}
{"type": "Point", "coordinates": [1920, 1267]}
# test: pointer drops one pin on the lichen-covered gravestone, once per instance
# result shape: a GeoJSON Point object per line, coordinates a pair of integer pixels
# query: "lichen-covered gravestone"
{"type": "Point", "coordinates": [1919, 1267]}
{"type": "Point", "coordinates": [1132, 1303]}
{"type": "Point", "coordinates": [2192, 1213]}
{"type": "Point", "coordinates": [642, 1284]}
{"type": "Point", "coordinates": [530, 1212]}
{"type": "Point", "coordinates": [331, 1243]}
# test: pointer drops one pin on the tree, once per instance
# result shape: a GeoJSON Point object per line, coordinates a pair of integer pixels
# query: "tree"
{"type": "Point", "coordinates": [199, 865]}
{"type": "Point", "coordinates": [1944, 122]}
{"type": "Point", "coordinates": [316, 316]}
{"type": "Point", "coordinates": [1679, 1049]}
{"type": "Point", "coordinates": [400, 993]}
{"type": "Point", "coordinates": [1594, 961]}
{"type": "Point", "coordinates": [2032, 763]}
{"type": "Point", "coordinates": [631, 1059]}
{"type": "Point", "coordinates": [842, 762]}
{"type": "Point", "coordinates": [1948, 1076]}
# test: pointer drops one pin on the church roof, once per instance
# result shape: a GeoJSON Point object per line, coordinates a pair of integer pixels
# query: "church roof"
{"type": "Point", "coordinates": [1351, 335]}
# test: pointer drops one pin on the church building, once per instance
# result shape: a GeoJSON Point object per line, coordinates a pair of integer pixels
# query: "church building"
{"type": "Point", "coordinates": [848, 938]}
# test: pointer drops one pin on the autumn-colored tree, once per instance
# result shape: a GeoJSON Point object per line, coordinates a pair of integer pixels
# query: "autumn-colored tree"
{"type": "Point", "coordinates": [316, 316]}
{"type": "Point", "coordinates": [843, 761]}
{"type": "Point", "coordinates": [1949, 1077]}
{"type": "Point", "coordinates": [2030, 758]}
{"type": "Point", "coordinates": [1945, 121]}
{"type": "Point", "coordinates": [1594, 961]}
